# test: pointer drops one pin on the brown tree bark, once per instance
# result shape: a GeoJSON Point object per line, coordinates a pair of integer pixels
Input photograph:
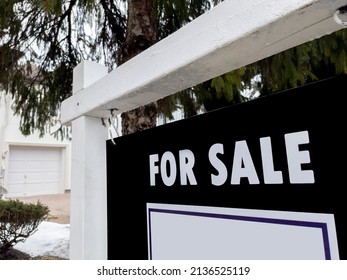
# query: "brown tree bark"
{"type": "Point", "coordinates": [141, 34]}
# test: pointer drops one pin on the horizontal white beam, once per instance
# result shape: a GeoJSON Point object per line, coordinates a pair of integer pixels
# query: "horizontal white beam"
{"type": "Point", "coordinates": [231, 35]}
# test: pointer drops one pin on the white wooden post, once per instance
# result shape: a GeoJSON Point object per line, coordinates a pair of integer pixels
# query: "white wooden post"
{"type": "Point", "coordinates": [88, 232]}
{"type": "Point", "coordinates": [233, 34]}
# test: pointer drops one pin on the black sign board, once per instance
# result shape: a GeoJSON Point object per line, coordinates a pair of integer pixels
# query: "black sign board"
{"type": "Point", "coordinates": [281, 152]}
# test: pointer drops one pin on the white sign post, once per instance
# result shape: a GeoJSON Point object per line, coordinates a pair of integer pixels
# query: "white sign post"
{"type": "Point", "coordinates": [233, 34]}
{"type": "Point", "coordinates": [88, 194]}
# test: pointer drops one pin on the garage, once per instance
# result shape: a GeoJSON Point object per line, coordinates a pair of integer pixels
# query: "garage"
{"type": "Point", "coordinates": [34, 170]}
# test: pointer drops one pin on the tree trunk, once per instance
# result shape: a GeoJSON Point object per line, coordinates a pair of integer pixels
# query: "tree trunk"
{"type": "Point", "coordinates": [141, 34]}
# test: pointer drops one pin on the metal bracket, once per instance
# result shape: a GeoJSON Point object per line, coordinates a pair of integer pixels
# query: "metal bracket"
{"type": "Point", "coordinates": [340, 16]}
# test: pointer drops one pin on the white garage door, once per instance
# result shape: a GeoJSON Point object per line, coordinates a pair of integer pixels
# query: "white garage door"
{"type": "Point", "coordinates": [34, 171]}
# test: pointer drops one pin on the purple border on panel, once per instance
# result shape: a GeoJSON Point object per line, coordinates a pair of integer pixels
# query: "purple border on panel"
{"type": "Point", "coordinates": [322, 226]}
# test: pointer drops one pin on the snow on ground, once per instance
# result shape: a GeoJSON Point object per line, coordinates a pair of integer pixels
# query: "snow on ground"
{"type": "Point", "coordinates": [51, 239]}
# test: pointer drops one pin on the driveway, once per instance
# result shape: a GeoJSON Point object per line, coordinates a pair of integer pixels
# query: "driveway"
{"type": "Point", "coordinates": [58, 204]}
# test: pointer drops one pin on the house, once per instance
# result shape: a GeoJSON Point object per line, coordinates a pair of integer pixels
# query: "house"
{"type": "Point", "coordinates": [30, 165]}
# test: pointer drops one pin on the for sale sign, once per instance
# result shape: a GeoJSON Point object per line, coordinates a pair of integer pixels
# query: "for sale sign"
{"type": "Point", "coordinates": [270, 166]}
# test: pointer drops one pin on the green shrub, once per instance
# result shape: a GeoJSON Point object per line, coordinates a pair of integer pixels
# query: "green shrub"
{"type": "Point", "coordinates": [18, 221]}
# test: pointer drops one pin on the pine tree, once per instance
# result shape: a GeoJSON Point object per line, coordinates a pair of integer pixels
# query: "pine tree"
{"type": "Point", "coordinates": [43, 40]}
